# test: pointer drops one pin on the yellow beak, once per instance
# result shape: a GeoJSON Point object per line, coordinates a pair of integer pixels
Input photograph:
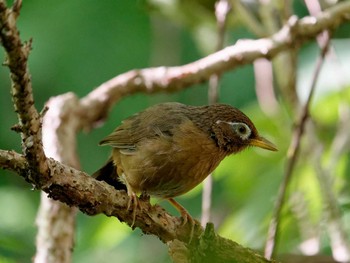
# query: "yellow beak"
{"type": "Point", "coordinates": [263, 143]}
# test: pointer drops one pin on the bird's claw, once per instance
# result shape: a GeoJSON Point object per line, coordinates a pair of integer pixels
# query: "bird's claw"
{"type": "Point", "coordinates": [136, 205]}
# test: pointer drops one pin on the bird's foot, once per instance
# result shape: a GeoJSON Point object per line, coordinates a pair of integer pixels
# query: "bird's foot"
{"type": "Point", "coordinates": [133, 199]}
{"type": "Point", "coordinates": [186, 217]}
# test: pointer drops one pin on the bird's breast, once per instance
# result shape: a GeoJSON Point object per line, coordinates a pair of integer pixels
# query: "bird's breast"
{"type": "Point", "coordinates": [168, 166]}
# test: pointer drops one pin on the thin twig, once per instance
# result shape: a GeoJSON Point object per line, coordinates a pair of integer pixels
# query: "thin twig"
{"type": "Point", "coordinates": [339, 239]}
{"type": "Point", "coordinates": [263, 75]}
{"type": "Point", "coordinates": [248, 18]}
{"type": "Point", "coordinates": [292, 157]}
{"type": "Point", "coordinates": [222, 9]}
{"type": "Point", "coordinates": [314, 8]}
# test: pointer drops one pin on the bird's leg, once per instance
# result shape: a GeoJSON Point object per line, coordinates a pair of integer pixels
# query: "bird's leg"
{"type": "Point", "coordinates": [186, 217]}
{"type": "Point", "coordinates": [132, 199]}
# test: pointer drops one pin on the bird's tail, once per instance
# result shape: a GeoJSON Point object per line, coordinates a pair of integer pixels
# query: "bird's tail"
{"type": "Point", "coordinates": [108, 173]}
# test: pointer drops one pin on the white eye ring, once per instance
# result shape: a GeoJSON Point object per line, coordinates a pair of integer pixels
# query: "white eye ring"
{"type": "Point", "coordinates": [240, 128]}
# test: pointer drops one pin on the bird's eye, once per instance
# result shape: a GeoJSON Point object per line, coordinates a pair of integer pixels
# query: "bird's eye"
{"type": "Point", "coordinates": [242, 130]}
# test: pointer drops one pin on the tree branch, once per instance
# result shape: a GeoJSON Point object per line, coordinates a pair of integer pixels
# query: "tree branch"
{"type": "Point", "coordinates": [12, 161]}
{"type": "Point", "coordinates": [76, 188]}
{"type": "Point", "coordinates": [22, 95]}
{"type": "Point", "coordinates": [60, 128]}
{"type": "Point", "coordinates": [171, 79]}
{"type": "Point", "coordinates": [222, 11]}
{"type": "Point", "coordinates": [92, 197]}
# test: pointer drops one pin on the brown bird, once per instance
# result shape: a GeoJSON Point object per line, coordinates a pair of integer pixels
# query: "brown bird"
{"type": "Point", "coordinates": [170, 148]}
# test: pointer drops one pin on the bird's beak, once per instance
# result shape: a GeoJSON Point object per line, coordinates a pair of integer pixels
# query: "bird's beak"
{"type": "Point", "coordinates": [263, 143]}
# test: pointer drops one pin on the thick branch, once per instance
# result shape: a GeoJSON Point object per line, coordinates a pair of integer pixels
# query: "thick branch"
{"type": "Point", "coordinates": [213, 248]}
{"type": "Point", "coordinates": [22, 95]}
{"type": "Point", "coordinates": [59, 129]}
{"type": "Point", "coordinates": [76, 188]}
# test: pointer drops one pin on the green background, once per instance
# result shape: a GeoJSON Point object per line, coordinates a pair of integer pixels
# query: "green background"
{"type": "Point", "coordinates": [77, 45]}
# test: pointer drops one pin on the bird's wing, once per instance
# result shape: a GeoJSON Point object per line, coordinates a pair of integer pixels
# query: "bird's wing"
{"type": "Point", "coordinates": [149, 124]}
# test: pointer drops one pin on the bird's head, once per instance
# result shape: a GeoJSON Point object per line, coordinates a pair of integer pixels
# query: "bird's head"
{"type": "Point", "coordinates": [234, 131]}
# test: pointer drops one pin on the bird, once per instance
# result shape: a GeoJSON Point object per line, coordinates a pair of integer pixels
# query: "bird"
{"type": "Point", "coordinates": [169, 148]}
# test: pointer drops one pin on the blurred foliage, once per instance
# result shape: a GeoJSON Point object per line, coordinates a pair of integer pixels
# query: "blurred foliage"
{"type": "Point", "coordinates": [78, 45]}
